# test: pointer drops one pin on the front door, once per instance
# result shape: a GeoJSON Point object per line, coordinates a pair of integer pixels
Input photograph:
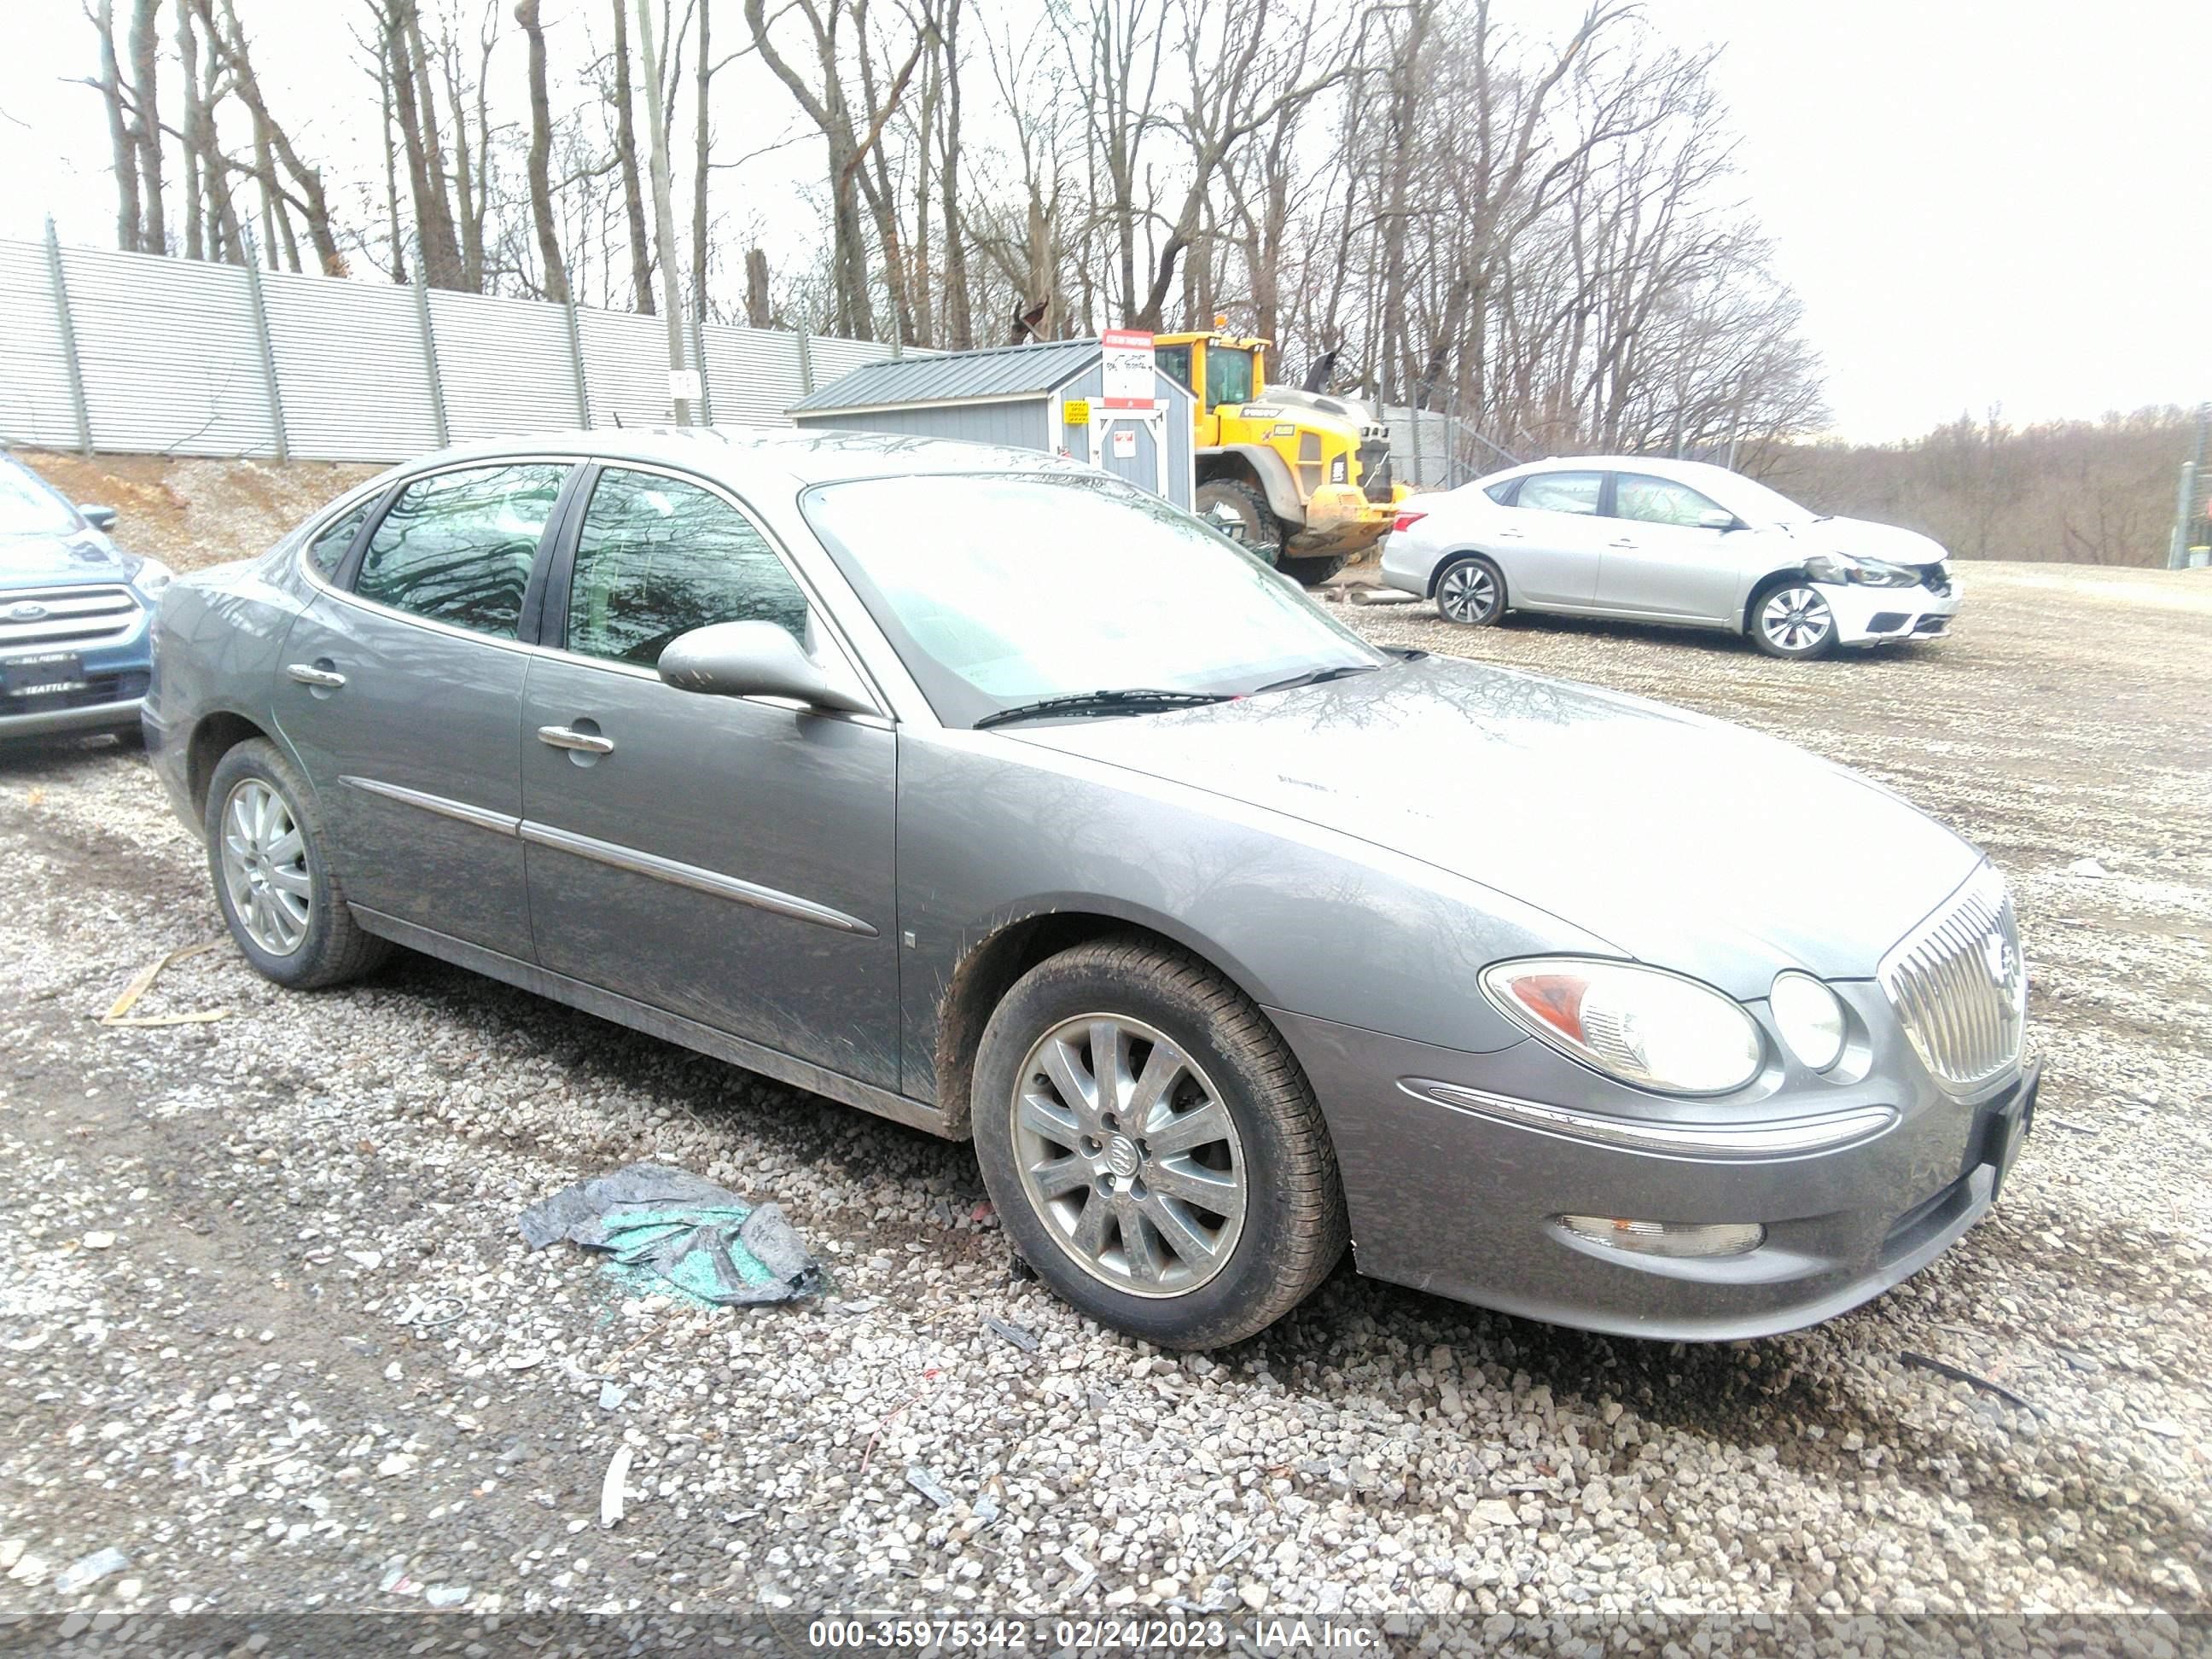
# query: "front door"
{"type": "Point", "coordinates": [721, 858]}
{"type": "Point", "coordinates": [1662, 560]}
{"type": "Point", "coordinates": [402, 699]}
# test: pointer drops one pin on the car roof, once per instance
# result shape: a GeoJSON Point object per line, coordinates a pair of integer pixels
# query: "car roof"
{"type": "Point", "coordinates": [1702, 474]}
{"type": "Point", "coordinates": [763, 457]}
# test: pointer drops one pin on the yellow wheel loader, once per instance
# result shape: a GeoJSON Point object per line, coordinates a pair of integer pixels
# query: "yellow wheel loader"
{"type": "Point", "coordinates": [1302, 478]}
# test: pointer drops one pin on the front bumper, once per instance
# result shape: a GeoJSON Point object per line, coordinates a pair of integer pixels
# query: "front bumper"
{"type": "Point", "coordinates": [1340, 519]}
{"type": "Point", "coordinates": [1875, 615]}
{"type": "Point", "coordinates": [1465, 1203]}
{"type": "Point", "coordinates": [119, 716]}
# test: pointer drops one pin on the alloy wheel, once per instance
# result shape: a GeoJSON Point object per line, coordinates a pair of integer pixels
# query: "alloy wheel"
{"type": "Point", "coordinates": [264, 868]}
{"type": "Point", "coordinates": [1796, 620]}
{"type": "Point", "coordinates": [1128, 1155]}
{"type": "Point", "coordinates": [1467, 592]}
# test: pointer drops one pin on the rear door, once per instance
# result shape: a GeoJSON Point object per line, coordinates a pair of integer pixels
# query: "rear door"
{"type": "Point", "coordinates": [401, 693]}
{"type": "Point", "coordinates": [1660, 561]}
{"type": "Point", "coordinates": [722, 858]}
{"type": "Point", "coordinates": [1549, 538]}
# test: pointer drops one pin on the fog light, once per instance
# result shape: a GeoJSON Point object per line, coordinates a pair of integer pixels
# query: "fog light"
{"type": "Point", "coordinates": [1674, 1238]}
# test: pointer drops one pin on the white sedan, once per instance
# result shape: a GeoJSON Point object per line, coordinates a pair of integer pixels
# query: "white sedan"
{"type": "Point", "coordinates": [1662, 541]}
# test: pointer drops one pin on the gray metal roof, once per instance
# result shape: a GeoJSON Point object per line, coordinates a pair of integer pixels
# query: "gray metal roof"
{"type": "Point", "coordinates": [1009, 372]}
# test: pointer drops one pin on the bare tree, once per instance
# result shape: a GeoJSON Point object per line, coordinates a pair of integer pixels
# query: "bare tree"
{"type": "Point", "coordinates": [640, 252]}
{"type": "Point", "coordinates": [664, 213]}
{"type": "Point", "coordinates": [554, 277]}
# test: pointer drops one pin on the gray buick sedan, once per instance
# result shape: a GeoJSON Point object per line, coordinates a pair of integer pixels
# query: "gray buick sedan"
{"type": "Point", "coordinates": [979, 790]}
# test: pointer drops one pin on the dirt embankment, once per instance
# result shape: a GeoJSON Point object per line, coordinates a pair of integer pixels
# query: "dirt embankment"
{"type": "Point", "coordinates": [193, 511]}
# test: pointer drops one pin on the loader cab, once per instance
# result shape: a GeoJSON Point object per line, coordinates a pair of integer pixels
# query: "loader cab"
{"type": "Point", "coordinates": [1222, 371]}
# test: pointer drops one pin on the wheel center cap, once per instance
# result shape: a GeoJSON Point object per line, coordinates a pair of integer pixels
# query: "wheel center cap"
{"type": "Point", "coordinates": [1121, 1157]}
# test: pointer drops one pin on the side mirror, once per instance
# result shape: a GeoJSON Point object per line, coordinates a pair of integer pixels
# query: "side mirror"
{"type": "Point", "coordinates": [1719, 519]}
{"type": "Point", "coordinates": [100, 517]}
{"type": "Point", "coordinates": [751, 660]}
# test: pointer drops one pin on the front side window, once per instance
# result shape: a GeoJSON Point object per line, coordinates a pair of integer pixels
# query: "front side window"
{"type": "Point", "coordinates": [1228, 376]}
{"type": "Point", "coordinates": [657, 557]}
{"type": "Point", "coordinates": [328, 551]}
{"type": "Point", "coordinates": [989, 586]}
{"type": "Point", "coordinates": [456, 547]}
{"type": "Point", "coordinates": [1561, 492]}
{"type": "Point", "coordinates": [1658, 501]}
{"type": "Point", "coordinates": [1173, 362]}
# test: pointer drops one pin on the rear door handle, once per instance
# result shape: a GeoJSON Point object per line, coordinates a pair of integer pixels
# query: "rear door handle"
{"type": "Point", "coordinates": [561, 736]}
{"type": "Point", "coordinates": [308, 674]}
{"type": "Point", "coordinates": [1624, 542]}
{"type": "Point", "coordinates": [1512, 535]}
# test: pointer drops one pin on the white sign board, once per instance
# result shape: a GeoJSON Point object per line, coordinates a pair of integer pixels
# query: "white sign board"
{"type": "Point", "coordinates": [1128, 367]}
{"type": "Point", "coordinates": [683, 385]}
{"type": "Point", "coordinates": [1125, 443]}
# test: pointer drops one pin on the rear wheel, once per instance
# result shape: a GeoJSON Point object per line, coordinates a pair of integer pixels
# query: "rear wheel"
{"type": "Point", "coordinates": [1471, 591]}
{"type": "Point", "coordinates": [1240, 513]}
{"type": "Point", "coordinates": [1792, 621]}
{"type": "Point", "coordinates": [272, 874]}
{"type": "Point", "coordinates": [1152, 1148]}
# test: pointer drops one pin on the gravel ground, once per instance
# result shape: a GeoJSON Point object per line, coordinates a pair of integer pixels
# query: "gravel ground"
{"type": "Point", "coordinates": [266, 1328]}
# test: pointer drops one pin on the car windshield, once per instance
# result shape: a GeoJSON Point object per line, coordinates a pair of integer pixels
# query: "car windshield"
{"type": "Point", "coordinates": [1000, 590]}
{"type": "Point", "coordinates": [27, 507]}
{"type": "Point", "coordinates": [1753, 501]}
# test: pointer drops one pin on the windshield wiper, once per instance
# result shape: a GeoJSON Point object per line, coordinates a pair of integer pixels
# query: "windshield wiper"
{"type": "Point", "coordinates": [1132, 701]}
{"type": "Point", "coordinates": [1320, 676]}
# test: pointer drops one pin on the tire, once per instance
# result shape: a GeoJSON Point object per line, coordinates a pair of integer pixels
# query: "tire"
{"type": "Point", "coordinates": [1471, 591]}
{"type": "Point", "coordinates": [1197, 1278]}
{"type": "Point", "coordinates": [1240, 512]}
{"type": "Point", "coordinates": [1790, 620]}
{"type": "Point", "coordinates": [1313, 572]}
{"type": "Point", "coordinates": [265, 875]}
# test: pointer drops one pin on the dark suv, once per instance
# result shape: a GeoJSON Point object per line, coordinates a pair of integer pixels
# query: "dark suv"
{"type": "Point", "coordinates": [74, 646]}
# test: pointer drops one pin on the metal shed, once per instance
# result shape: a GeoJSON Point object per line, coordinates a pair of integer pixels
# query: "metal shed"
{"type": "Point", "coordinates": [1048, 396]}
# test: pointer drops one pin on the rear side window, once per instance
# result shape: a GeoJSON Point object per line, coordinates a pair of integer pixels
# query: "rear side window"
{"type": "Point", "coordinates": [1658, 501]}
{"type": "Point", "coordinates": [657, 557]}
{"type": "Point", "coordinates": [1502, 493]}
{"type": "Point", "coordinates": [456, 547]}
{"type": "Point", "coordinates": [328, 551]}
{"type": "Point", "coordinates": [1561, 492]}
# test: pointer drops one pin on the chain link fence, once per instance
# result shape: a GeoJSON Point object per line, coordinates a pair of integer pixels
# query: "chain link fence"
{"type": "Point", "coordinates": [137, 353]}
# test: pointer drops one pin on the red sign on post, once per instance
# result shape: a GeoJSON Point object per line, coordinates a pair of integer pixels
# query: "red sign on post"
{"type": "Point", "coordinates": [1127, 354]}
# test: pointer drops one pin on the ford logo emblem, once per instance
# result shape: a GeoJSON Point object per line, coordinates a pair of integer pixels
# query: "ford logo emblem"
{"type": "Point", "coordinates": [27, 612]}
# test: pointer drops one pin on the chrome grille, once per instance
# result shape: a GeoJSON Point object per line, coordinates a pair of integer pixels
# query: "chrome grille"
{"type": "Point", "coordinates": [62, 618]}
{"type": "Point", "coordinates": [1959, 984]}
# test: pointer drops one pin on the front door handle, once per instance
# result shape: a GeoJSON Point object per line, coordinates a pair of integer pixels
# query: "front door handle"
{"type": "Point", "coordinates": [308, 674]}
{"type": "Point", "coordinates": [585, 743]}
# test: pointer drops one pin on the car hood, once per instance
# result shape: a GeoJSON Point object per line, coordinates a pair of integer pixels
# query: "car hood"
{"type": "Point", "coordinates": [1865, 540]}
{"type": "Point", "coordinates": [1686, 841]}
{"type": "Point", "coordinates": [53, 560]}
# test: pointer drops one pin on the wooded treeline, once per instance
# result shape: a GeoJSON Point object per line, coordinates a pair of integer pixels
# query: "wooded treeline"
{"type": "Point", "coordinates": [2087, 492]}
{"type": "Point", "coordinates": [1423, 201]}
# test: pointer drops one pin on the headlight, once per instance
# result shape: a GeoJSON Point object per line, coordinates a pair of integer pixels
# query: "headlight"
{"type": "Point", "coordinates": [1646, 1027]}
{"type": "Point", "coordinates": [1840, 567]}
{"type": "Point", "coordinates": [1336, 470]}
{"type": "Point", "coordinates": [1809, 1018]}
{"type": "Point", "coordinates": [152, 576]}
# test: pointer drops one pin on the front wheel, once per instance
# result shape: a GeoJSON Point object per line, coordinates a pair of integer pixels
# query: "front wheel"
{"type": "Point", "coordinates": [1793, 622]}
{"type": "Point", "coordinates": [1313, 571]}
{"type": "Point", "coordinates": [1152, 1147]}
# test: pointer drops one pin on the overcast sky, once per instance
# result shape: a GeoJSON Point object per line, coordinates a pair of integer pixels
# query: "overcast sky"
{"type": "Point", "coordinates": [1981, 202]}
